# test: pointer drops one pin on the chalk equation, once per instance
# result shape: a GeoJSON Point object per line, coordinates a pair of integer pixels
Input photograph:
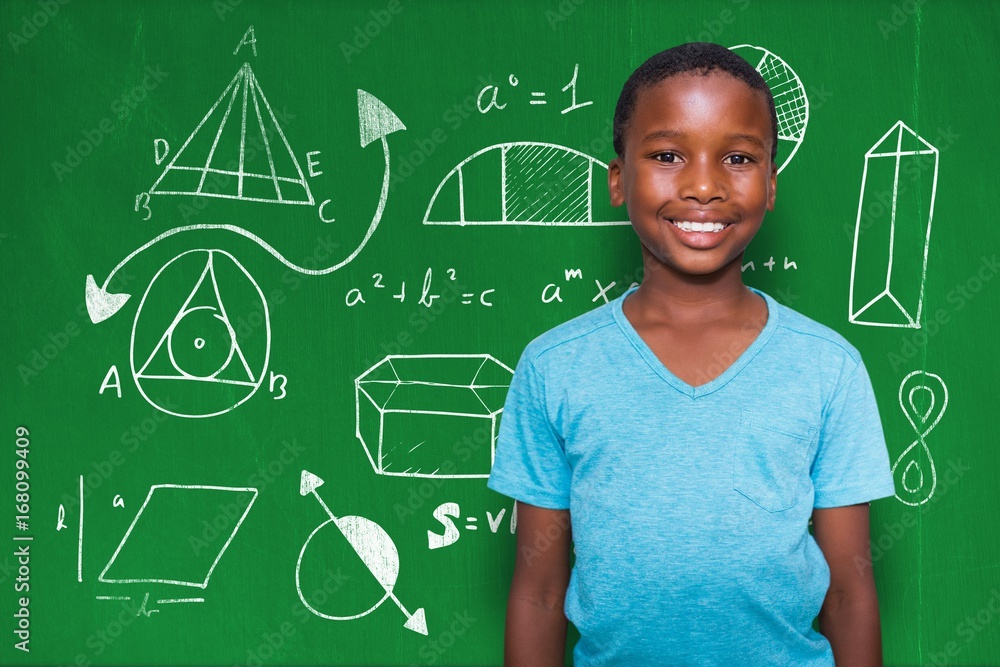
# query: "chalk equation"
{"type": "Point", "coordinates": [494, 97]}
{"type": "Point", "coordinates": [604, 290]}
{"type": "Point", "coordinates": [425, 296]}
{"type": "Point", "coordinates": [447, 513]}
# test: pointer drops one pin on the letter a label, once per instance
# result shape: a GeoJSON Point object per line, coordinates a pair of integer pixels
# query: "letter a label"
{"type": "Point", "coordinates": [112, 380]}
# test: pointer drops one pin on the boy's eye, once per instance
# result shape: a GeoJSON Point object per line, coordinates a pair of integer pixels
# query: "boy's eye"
{"type": "Point", "coordinates": [665, 157]}
{"type": "Point", "coordinates": [739, 159]}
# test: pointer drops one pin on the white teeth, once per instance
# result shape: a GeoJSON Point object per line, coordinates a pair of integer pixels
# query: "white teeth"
{"type": "Point", "coordinates": [688, 226]}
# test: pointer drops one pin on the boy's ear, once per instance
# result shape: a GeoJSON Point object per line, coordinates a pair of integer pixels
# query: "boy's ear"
{"type": "Point", "coordinates": [615, 188]}
{"type": "Point", "coordinates": [773, 186]}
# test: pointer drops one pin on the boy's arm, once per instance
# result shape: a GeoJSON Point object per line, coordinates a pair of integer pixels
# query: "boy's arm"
{"type": "Point", "coordinates": [849, 617]}
{"type": "Point", "coordinates": [536, 623]}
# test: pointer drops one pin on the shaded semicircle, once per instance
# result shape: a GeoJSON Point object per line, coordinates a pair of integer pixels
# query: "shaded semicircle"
{"type": "Point", "coordinates": [525, 183]}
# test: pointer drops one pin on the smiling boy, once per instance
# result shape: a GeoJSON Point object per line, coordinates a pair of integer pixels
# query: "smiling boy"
{"type": "Point", "coordinates": [681, 437]}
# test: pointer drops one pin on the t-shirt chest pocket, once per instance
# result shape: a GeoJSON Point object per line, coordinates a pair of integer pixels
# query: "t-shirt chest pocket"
{"type": "Point", "coordinates": [769, 460]}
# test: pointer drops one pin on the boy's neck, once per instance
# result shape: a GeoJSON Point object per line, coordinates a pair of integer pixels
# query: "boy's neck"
{"type": "Point", "coordinates": [670, 298]}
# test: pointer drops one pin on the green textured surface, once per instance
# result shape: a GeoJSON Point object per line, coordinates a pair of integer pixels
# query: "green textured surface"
{"type": "Point", "coordinates": [87, 88]}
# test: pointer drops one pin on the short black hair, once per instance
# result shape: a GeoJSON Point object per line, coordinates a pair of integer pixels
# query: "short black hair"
{"type": "Point", "coordinates": [699, 58]}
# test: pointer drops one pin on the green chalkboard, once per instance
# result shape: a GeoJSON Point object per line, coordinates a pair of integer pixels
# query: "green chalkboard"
{"type": "Point", "coordinates": [267, 268]}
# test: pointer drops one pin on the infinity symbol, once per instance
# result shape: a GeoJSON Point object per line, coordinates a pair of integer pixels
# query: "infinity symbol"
{"type": "Point", "coordinates": [923, 397]}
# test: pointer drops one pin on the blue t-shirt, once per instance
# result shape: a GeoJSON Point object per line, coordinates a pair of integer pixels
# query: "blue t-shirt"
{"type": "Point", "coordinates": [690, 505]}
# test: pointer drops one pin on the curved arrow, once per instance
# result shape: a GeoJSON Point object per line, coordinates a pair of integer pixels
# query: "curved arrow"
{"type": "Point", "coordinates": [417, 621]}
{"type": "Point", "coordinates": [375, 121]}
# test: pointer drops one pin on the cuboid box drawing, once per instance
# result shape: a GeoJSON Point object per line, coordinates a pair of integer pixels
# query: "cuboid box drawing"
{"type": "Point", "coordinates": [431, 415]}
{"type": "Point", "coordinates": [893, 230]}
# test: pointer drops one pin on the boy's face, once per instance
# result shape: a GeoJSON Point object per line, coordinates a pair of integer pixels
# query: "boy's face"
{"type": "Point", "coordinates": [697, 154]}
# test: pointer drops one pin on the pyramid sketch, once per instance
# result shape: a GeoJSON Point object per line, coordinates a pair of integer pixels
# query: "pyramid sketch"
{"type": "Point", "coordinates": [237, 151]}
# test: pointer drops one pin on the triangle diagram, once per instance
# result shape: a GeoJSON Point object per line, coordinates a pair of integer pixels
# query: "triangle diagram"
{"type": "Point", "coordinates": [237, 151]}
{"type": "Point", "coordinates": [200, 343]}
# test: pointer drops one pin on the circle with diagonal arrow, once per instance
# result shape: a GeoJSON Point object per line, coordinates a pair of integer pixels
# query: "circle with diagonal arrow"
{"type": "Point", "coordinates": [371, 568]}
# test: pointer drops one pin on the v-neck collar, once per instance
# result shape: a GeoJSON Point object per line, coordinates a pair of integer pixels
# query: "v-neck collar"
{"type": "Point", "coordinates": [704, 389]}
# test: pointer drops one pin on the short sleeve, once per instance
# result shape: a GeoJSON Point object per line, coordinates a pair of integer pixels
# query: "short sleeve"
{"type": "Point", "coordinates": [852, 464]}
{"type": "Point", "coordinates": [530, 464]}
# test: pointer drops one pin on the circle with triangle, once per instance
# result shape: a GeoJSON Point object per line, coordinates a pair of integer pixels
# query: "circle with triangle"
{"type": "Point", "coordinates": [201, 337]}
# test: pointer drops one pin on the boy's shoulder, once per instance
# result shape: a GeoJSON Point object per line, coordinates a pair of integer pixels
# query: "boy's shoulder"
{"type": "Point", "coordinates": [572, 333]}
{"type": "Point", "coordinates": [809, 335]}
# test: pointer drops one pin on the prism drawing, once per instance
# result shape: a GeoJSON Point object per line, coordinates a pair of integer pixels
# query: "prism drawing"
{"type": "Point", "coordinates": [892, 233]}
{"type": "Point", "coordinates": [432, 415]}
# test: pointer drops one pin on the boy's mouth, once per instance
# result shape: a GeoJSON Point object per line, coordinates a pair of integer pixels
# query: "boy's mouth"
{"type": "Point", "coordinates": [710, 227]}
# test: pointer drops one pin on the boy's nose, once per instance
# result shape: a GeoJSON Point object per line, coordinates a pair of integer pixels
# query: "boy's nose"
{"type": "Point", "coordinates": [702, 182]}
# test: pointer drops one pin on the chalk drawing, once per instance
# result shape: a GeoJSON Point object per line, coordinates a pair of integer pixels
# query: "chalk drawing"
{"type": "Point", "coordinates": [143, 611]}
{"type": "Point", "coordinates": [412, 411]}
{"type": "Point", "coordinates": [790, 101]}
{"type": "Point", "coordinates": [523, 183]}
{"type": "Point", "coordinates": [79, 552]}
{"type": "Point", "coordinates": [375, 121]}
{"type": "Point", "coordinates": [171, 516]}
{"type": "Point", "coordinates": [923, 398]}
{"type": "Point", "coordinates": [446, 513]}
{"type": "Point", "coordinates": [200, 344]}
{"type": "Point", "coordinates": [892, 234]}
{"type": "Point", "coordinates": [185, 174]}
{"type": "Point", "coordinates": [369, 542]}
